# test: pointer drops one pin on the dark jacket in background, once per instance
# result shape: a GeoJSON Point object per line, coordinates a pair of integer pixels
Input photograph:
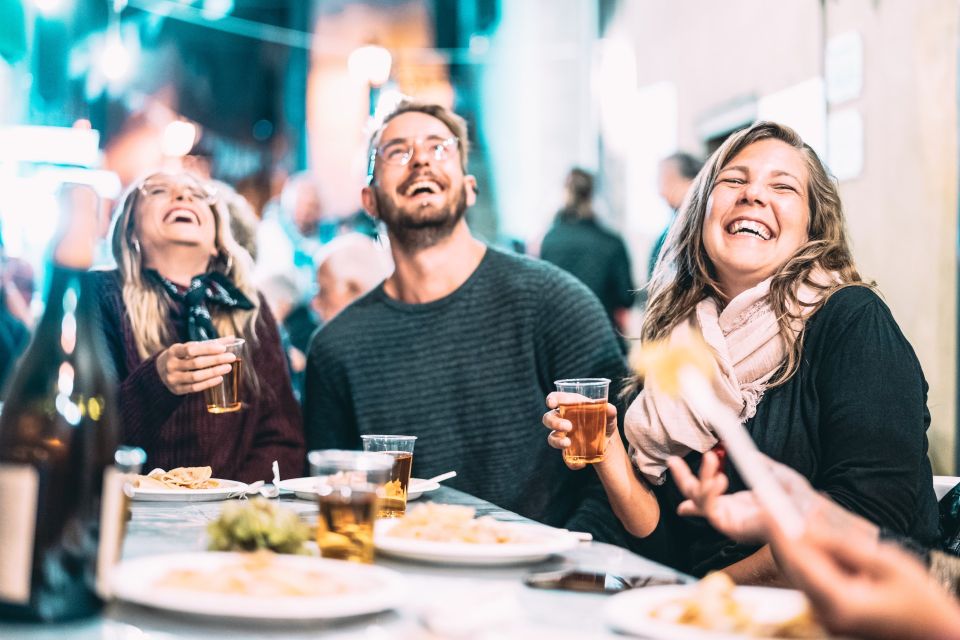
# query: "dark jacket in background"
{"type": "Point", "coordinates": [594, 255]}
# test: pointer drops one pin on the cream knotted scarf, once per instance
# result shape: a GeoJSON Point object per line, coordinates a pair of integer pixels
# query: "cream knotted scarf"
{"type": "Point", "coordinates": [748, 348]}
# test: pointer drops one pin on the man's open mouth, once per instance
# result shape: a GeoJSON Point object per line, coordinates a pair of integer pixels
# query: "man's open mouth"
{"type": "Point", "coordinates": [421, 187]}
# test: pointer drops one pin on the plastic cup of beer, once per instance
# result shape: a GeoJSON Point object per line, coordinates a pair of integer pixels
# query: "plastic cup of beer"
{"type": "Point", "coordinates": [349, 487]}
{"type": "Point", "coordinates": [225, 397]}
{"type": "Point", "coordinates": [400, 449]}
{"type": "Point", "coordinates": [585, 406]}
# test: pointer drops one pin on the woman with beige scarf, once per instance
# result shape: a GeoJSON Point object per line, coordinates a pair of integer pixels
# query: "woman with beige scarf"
{"type": "Point", "coordinates": [757, 263]}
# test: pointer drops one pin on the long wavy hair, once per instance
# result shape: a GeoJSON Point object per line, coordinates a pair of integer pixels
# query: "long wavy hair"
{"type": "Point", "coordinates": [146, 303]}
{"type": "Point", "coordinates": [684, 275]}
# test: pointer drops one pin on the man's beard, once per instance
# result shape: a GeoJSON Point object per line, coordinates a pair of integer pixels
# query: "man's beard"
{"type": "Point", "coordinates": [414, 231]}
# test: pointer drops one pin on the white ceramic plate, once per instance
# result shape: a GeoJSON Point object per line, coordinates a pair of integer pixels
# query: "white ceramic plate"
{"type": "Point", "coordinates": [224, 491]}
{"type": "Point", "coordinates": [630, 611]}
{"type": "Point", "coordinates": [418, 487]}
{"type": "Point", "coordinates": [303, 487]}
{"type": "Point", "coordinates": [377, 589]}
{"type": "Point", "coordinates": [549, 541]}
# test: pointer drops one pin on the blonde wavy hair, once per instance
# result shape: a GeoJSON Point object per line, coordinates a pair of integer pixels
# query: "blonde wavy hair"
{"type": "Point", "coordinates": [144, 301]}
{"type": "Point", "coordinates": [684, 274]}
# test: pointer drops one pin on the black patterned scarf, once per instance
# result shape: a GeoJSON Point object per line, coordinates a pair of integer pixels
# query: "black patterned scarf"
{"type": "Point", "coordinates": [213, 287]}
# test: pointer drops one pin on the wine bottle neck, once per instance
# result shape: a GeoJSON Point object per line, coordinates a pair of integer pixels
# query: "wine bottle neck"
{"type": "Point", "coordinates": [66, 294]}
{"type": "Point", "coordinates": [79, 227]}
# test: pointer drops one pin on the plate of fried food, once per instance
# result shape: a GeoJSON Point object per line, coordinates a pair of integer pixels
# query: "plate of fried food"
{"type": "Point", "coordinates": [183, 484]}
{"type": "Point", "coordinates": [261, 585]}
{"type": "Point", "coordinates": [712, 609]}
{"type": "Point", "coordinates": [452, 534]}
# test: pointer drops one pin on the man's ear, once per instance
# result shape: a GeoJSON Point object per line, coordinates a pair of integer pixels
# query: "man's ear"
{"type": "Point", "coordinates": [470, 182]}
{"type": "Point", "coordinates": [369, 201]}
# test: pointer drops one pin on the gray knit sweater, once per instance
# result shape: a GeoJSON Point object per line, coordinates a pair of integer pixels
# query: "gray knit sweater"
{"type": "Point", "coordinates": [467, 374]}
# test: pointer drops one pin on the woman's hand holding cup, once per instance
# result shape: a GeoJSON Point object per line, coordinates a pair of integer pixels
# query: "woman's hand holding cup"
{"type": "Point", "coordinates": [560, 427]}
{"type": "Point", "coordinates": [190, 367]}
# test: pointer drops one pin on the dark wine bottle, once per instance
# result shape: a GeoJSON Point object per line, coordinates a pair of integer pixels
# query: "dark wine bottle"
{"type": "Point", "coordinates": [58, 437]}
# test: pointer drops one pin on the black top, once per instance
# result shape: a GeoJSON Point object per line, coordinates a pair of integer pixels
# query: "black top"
{"type": "Point", "coordinates": [596, 256]}
{"type": "Point", "coordinates": [467, 374]}
{"type": "Point", "coordinates": [852, 419]}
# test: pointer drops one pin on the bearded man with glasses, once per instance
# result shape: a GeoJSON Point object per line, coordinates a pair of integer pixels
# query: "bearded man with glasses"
{"type": "Point", "coordinates": [462, 342]}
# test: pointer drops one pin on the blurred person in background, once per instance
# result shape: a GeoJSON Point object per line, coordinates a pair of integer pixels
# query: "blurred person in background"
{"type": "Point", "coordinates": [19, 281]}
{"type": "Point", "coordinates": [181, 282]}
{"type": "Point", "coordinates": [243, 219]}
{"type": "Point", "coordinates": [858, 580]}
{"type": "Point", "coordinates": [458, 345]}
{"type": "Point", "coordinates": [597, 256]}
{"type": "Point", "coordinates": [14, 316]}
{"type": "Point", "coordinates": [674, 177]}
{"type": "Point", "coordinates": [289, 238]}
{"type": "Point", "coordinates": [805, 353]}
{"type": "Point", "coordinates": [282, 296]}
{"type": "Point", "coordinates": [350, 266]}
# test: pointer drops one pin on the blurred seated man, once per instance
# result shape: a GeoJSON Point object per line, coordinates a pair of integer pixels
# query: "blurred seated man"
{"type": "Point", "coordinates": [289, 239]}
{"type": "Point", "coordinates": [281, 295]}
{"type": "Point", "coordinates": [243, 219]}
{"type": "Point", "coordinates": [674, 177]}
{"type": "Point", "coordinates": [16, 292]}
{"type": "Point", "coordinates": [460, 344]}
{"type": "Point", "coordinates": [350, 266]}
{"type": "Point", "coordinates": [14, 337]}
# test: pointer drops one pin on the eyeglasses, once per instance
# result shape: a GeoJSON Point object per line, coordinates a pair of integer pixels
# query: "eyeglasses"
{"type": "Point", "coordinates": [166, 190]}
{"type": "Point", "coordinates": [398, 153]}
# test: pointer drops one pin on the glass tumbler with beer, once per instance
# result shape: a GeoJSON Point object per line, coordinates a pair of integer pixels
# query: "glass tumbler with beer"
{"type": "Point", "coordinates": [584, 404]}
{"type": "Point", "coordinates": [349, 489]}
{"type": "Point", "coordinates": [225, 397]}
{"type": "Point", "coordinates": [400, 448]}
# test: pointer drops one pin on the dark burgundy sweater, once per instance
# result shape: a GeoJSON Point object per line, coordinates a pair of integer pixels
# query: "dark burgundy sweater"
{"type": "Point", "coordinates": [177, 431]}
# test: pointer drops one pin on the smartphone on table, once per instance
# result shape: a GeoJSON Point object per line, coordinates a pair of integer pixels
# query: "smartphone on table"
{"type": "Point", "coordinates": [595, 582]}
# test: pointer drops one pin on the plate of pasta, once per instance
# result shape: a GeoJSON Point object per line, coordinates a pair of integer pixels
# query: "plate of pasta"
{"type": "Point", "coordinates": [261, 585]}
{"type": "Point", "coordinates": [713, 609]}
{"type": "Point", "coordinates": [452, 534]}
{"type": "Point", "coordinates": [183, 484]}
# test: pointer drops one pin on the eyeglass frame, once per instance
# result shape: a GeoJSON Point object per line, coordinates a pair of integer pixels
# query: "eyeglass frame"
{"type": "Point", "coordinates": [200, 192]}
{"type": "Point", "coordinates": [444, 144]}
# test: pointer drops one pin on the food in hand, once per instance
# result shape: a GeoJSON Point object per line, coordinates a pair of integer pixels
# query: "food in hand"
{"type": "Point", "coordinates": [660, 362]}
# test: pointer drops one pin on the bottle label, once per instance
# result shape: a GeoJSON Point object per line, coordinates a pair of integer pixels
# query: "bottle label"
{"type": "Point", "coordinates": [113, 518]}
{"type": "Point", "coordinates": [19, 491]}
